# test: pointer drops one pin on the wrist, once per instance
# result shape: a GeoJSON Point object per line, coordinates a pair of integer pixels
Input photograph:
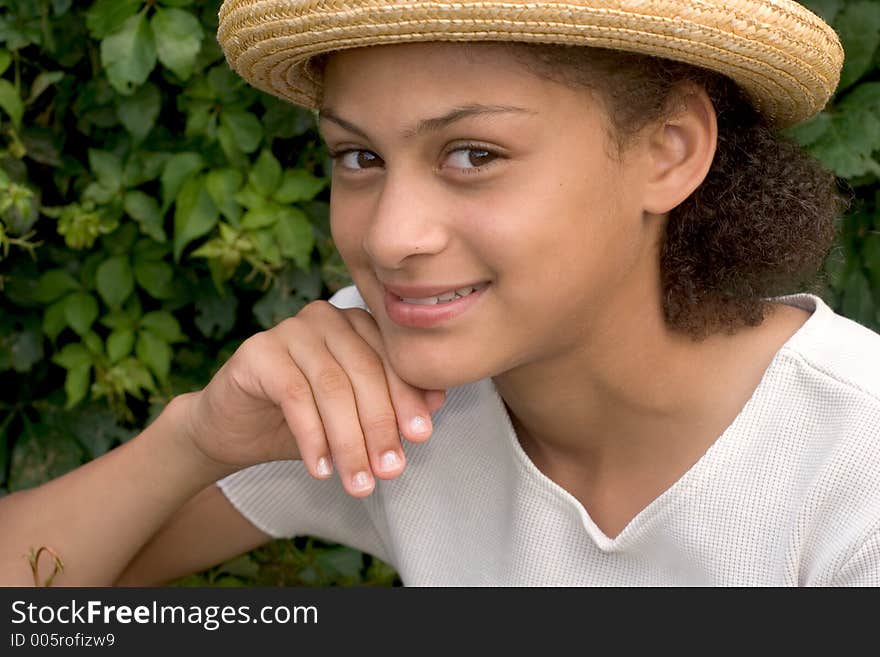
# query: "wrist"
{"type": "Point", "coordinates": [181, 410]}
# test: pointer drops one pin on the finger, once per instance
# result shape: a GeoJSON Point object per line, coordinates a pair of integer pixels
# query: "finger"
{"type": "Point", "coordinates": [301, 413]}
{"type": "Point", "coordinates": [334, 397]}
{"type": "Point", "coordinates": [411, 407]}
{"type": "Point", "coordinates": [290, 391]}
{"type": "Point", "coordinates": [376, 414]}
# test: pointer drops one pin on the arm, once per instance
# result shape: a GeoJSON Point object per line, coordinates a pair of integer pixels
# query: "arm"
{"type": "Point", "coordinates": [99, 515]}
{"type": "Point", "coordinates": [316, 387]}
{"type": "Point", "coordinates": [206, 531]}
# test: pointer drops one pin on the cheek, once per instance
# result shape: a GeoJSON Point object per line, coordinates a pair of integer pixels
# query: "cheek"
{"type": "Point", "coordinates": [347, 226]}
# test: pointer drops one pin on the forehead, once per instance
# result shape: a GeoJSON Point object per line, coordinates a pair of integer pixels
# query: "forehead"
{"type": "Point", "coordinates": [407, 72]}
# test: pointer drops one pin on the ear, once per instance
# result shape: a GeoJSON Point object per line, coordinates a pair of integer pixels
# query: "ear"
{"type": "Point", "coordinates": [681, 150]}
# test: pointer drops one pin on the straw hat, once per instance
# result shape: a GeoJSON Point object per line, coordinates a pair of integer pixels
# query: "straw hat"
{"type": "Point", "coordinates": [786, 58]}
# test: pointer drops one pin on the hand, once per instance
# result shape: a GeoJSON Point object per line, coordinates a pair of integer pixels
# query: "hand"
{"type": "Point", "coordinates": [316, 387]}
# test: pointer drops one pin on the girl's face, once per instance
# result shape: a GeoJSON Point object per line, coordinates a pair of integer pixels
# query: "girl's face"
{"type": "Point", "coordinates": [457, 167]}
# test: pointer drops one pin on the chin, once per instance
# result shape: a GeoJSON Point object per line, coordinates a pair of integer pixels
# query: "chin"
{"type": "Point", "coordinates": [439, 374]}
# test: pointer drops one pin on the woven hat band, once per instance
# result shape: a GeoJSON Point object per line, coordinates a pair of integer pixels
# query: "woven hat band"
{"type": "Point", "coordinates": [784, 57]}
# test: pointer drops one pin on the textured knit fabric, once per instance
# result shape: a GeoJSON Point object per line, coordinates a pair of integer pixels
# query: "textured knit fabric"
{"type": "Point", "coordinates": [788, 495]}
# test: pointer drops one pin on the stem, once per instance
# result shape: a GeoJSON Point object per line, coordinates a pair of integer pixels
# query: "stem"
{"type": "Point", "coordinates": [34, 560]}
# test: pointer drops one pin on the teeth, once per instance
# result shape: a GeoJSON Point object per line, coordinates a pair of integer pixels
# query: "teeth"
{"type": "Point", "coordinates": [446, 297]}
{"type": "Point", "coordinates": [427, 301]}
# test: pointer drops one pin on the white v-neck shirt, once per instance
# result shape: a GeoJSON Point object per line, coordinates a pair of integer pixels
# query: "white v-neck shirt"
{"type": "Point", "coordinates": [788, 495]}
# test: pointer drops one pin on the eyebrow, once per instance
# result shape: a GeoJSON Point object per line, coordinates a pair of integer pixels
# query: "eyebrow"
{"type": "Point", "coordinates": [429, 125]}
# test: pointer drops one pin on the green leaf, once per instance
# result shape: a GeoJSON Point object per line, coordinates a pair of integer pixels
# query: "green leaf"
{"type": "Point", "coordinates": [53, 284]}
{"type": "Point", "coordinates": [22, 347]}
{"type": "Point", "coordinates": [43, 81]}
{"type": "Point", "coordinates": [72, 356]}
{"type": "Point", "coordinates": [106, 16]}
{"type": "Point", "coordinates": [10, 102]}
{"type": "Point", "coordinates": [107, 168]}
{"type": "Point", "coordinates": [155, 352]}
{"type": "Point", "coordinates": [143, 166]}
{"type": "Point", "coordinates": [97, 429]}
{"type": "Point", "coordinates": [138, 112]}
{"type": "Point", "coordinates": [129, 54]}
{"type": "Point", "coordinates": [241, 566]}
{"type": "Point", "coordinates": [119, 242]}
{"type": "Point", "coordinates": [265, 175]}
{"type": "Point", "coordinates": [215, 315]}
{"type": "Point", "coordinates": [178, 40]}
{"type": "Point", "coordinates": [846, 147]}
{"type": "Point", "coordinates": [43, 452]}
{"type": "Point", "coordinates": [810, 131]}
{"type": "Point", "coordinates": [296, 239]}
{"type": "Point", "coordinates": [195, 214]}
{"type": "Point", "coordinates": [858, 303]}
{"type": "Point", "coordinates": [5, 60]}
{"type": "Point", "coordinates": [80, 311]}
{"type": "Point", "coordinates": [344, 561]}
{"type": "Point", "coordinates": [178, 169]}
{"type": "Point", "coordinates": [164, 325]}
{"type": "Point", "coordinates": [244, 127]}
{"type": "Point", "coordinates": [859, 28]}
{"type": "Point", "coordinates": [260, 217]}
{"type": "Point", "coordinates": [277, 304]}
{"type": "Point", "coordinates": [145, 210]}
{"type": "Point", "coordinates": [115, 280]}
{"type": "Point", "coordinates": [222, 185]}
{"type": "Point", "coordinates": [156, 277]}
{"type": "Point", "coordinates": [136, 376]}
{"type": "Point", "coordinates": [119, 344]}
{"type": "Point", "coordinates": [55, 319]}
{"type": "Point", "coordinates": [93, 343]}
{"type": "Point", "coordinates": [298, 185]}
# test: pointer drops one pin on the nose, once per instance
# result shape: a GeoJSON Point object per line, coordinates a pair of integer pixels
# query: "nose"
{"type": "Point", "coordinates": [407, 221]}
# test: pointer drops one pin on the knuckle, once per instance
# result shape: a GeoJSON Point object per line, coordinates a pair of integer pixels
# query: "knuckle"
{"type": "Point", "coordinates": [298, 391]}
{"type": "Point", "coordinates": [316, 308]}
{"type": "Point", "coordinates": [352, 453]}
{"type": "Point", "coordinates": [332, 381]}
{"type": "Point", "coordinates": [367, 365]}
{"type": "Point", "coordinates": [381, 425]}
{"type": "Point", "coordinates": [288, 325]}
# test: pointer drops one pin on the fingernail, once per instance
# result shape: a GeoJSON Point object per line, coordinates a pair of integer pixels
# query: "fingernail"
{"type": "Point", "coordinates": [419, 425]}
{"type": "Point", "coordinates": [389, 460]}
{"type": "Point", "coordinates": [323, 467]}
{"type": "Point", "coordinates": [361, 481]}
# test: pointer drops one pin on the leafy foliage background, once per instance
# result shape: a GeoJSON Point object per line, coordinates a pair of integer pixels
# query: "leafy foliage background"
{"type": "Point", "coordinates": [155, 211]}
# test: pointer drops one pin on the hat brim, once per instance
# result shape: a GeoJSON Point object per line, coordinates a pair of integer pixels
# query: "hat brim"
{"type": "Point", "coordinates": [784, 57]}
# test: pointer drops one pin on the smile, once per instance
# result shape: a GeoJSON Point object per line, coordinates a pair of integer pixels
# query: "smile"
{"type": "Point", "coordinates": [435, 310]}
{"type": "Point", "coordinates": [445, 297]}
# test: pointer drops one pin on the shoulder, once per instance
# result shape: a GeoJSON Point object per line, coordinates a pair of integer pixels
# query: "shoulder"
{"type": "Point", "coordinates": [836, 348]}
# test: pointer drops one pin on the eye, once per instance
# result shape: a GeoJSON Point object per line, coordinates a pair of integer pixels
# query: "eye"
{"type": "Point", "coordinates": [469, 159]}
{"type": "Point", "coordinates": [472, 158]}
{"type": "Point", "coordinates": [354, 159]}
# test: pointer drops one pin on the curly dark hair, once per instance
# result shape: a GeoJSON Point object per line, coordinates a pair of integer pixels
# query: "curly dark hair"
{"type": "Point", "coordinates": [761, 223]}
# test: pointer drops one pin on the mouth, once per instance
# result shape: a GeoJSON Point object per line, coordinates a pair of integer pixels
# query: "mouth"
{"type": "Point", "coordinates": [444, 297]}
{"type": "Point", "coordinates": [425, 307]}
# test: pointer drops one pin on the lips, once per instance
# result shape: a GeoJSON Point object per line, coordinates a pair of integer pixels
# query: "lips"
{"type": "Point", "coordinates": [430, 306]}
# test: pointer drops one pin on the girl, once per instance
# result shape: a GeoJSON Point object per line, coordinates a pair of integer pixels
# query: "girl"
{"type": "Point", "coordinates": [573, 269]}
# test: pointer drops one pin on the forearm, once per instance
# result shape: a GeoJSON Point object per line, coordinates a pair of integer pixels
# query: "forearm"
{"type": "Point", "coordinates": [98, 516]}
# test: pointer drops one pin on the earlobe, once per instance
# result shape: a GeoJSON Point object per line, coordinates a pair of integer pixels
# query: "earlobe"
{"type": "Point", "coordinates": [682, 149]}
